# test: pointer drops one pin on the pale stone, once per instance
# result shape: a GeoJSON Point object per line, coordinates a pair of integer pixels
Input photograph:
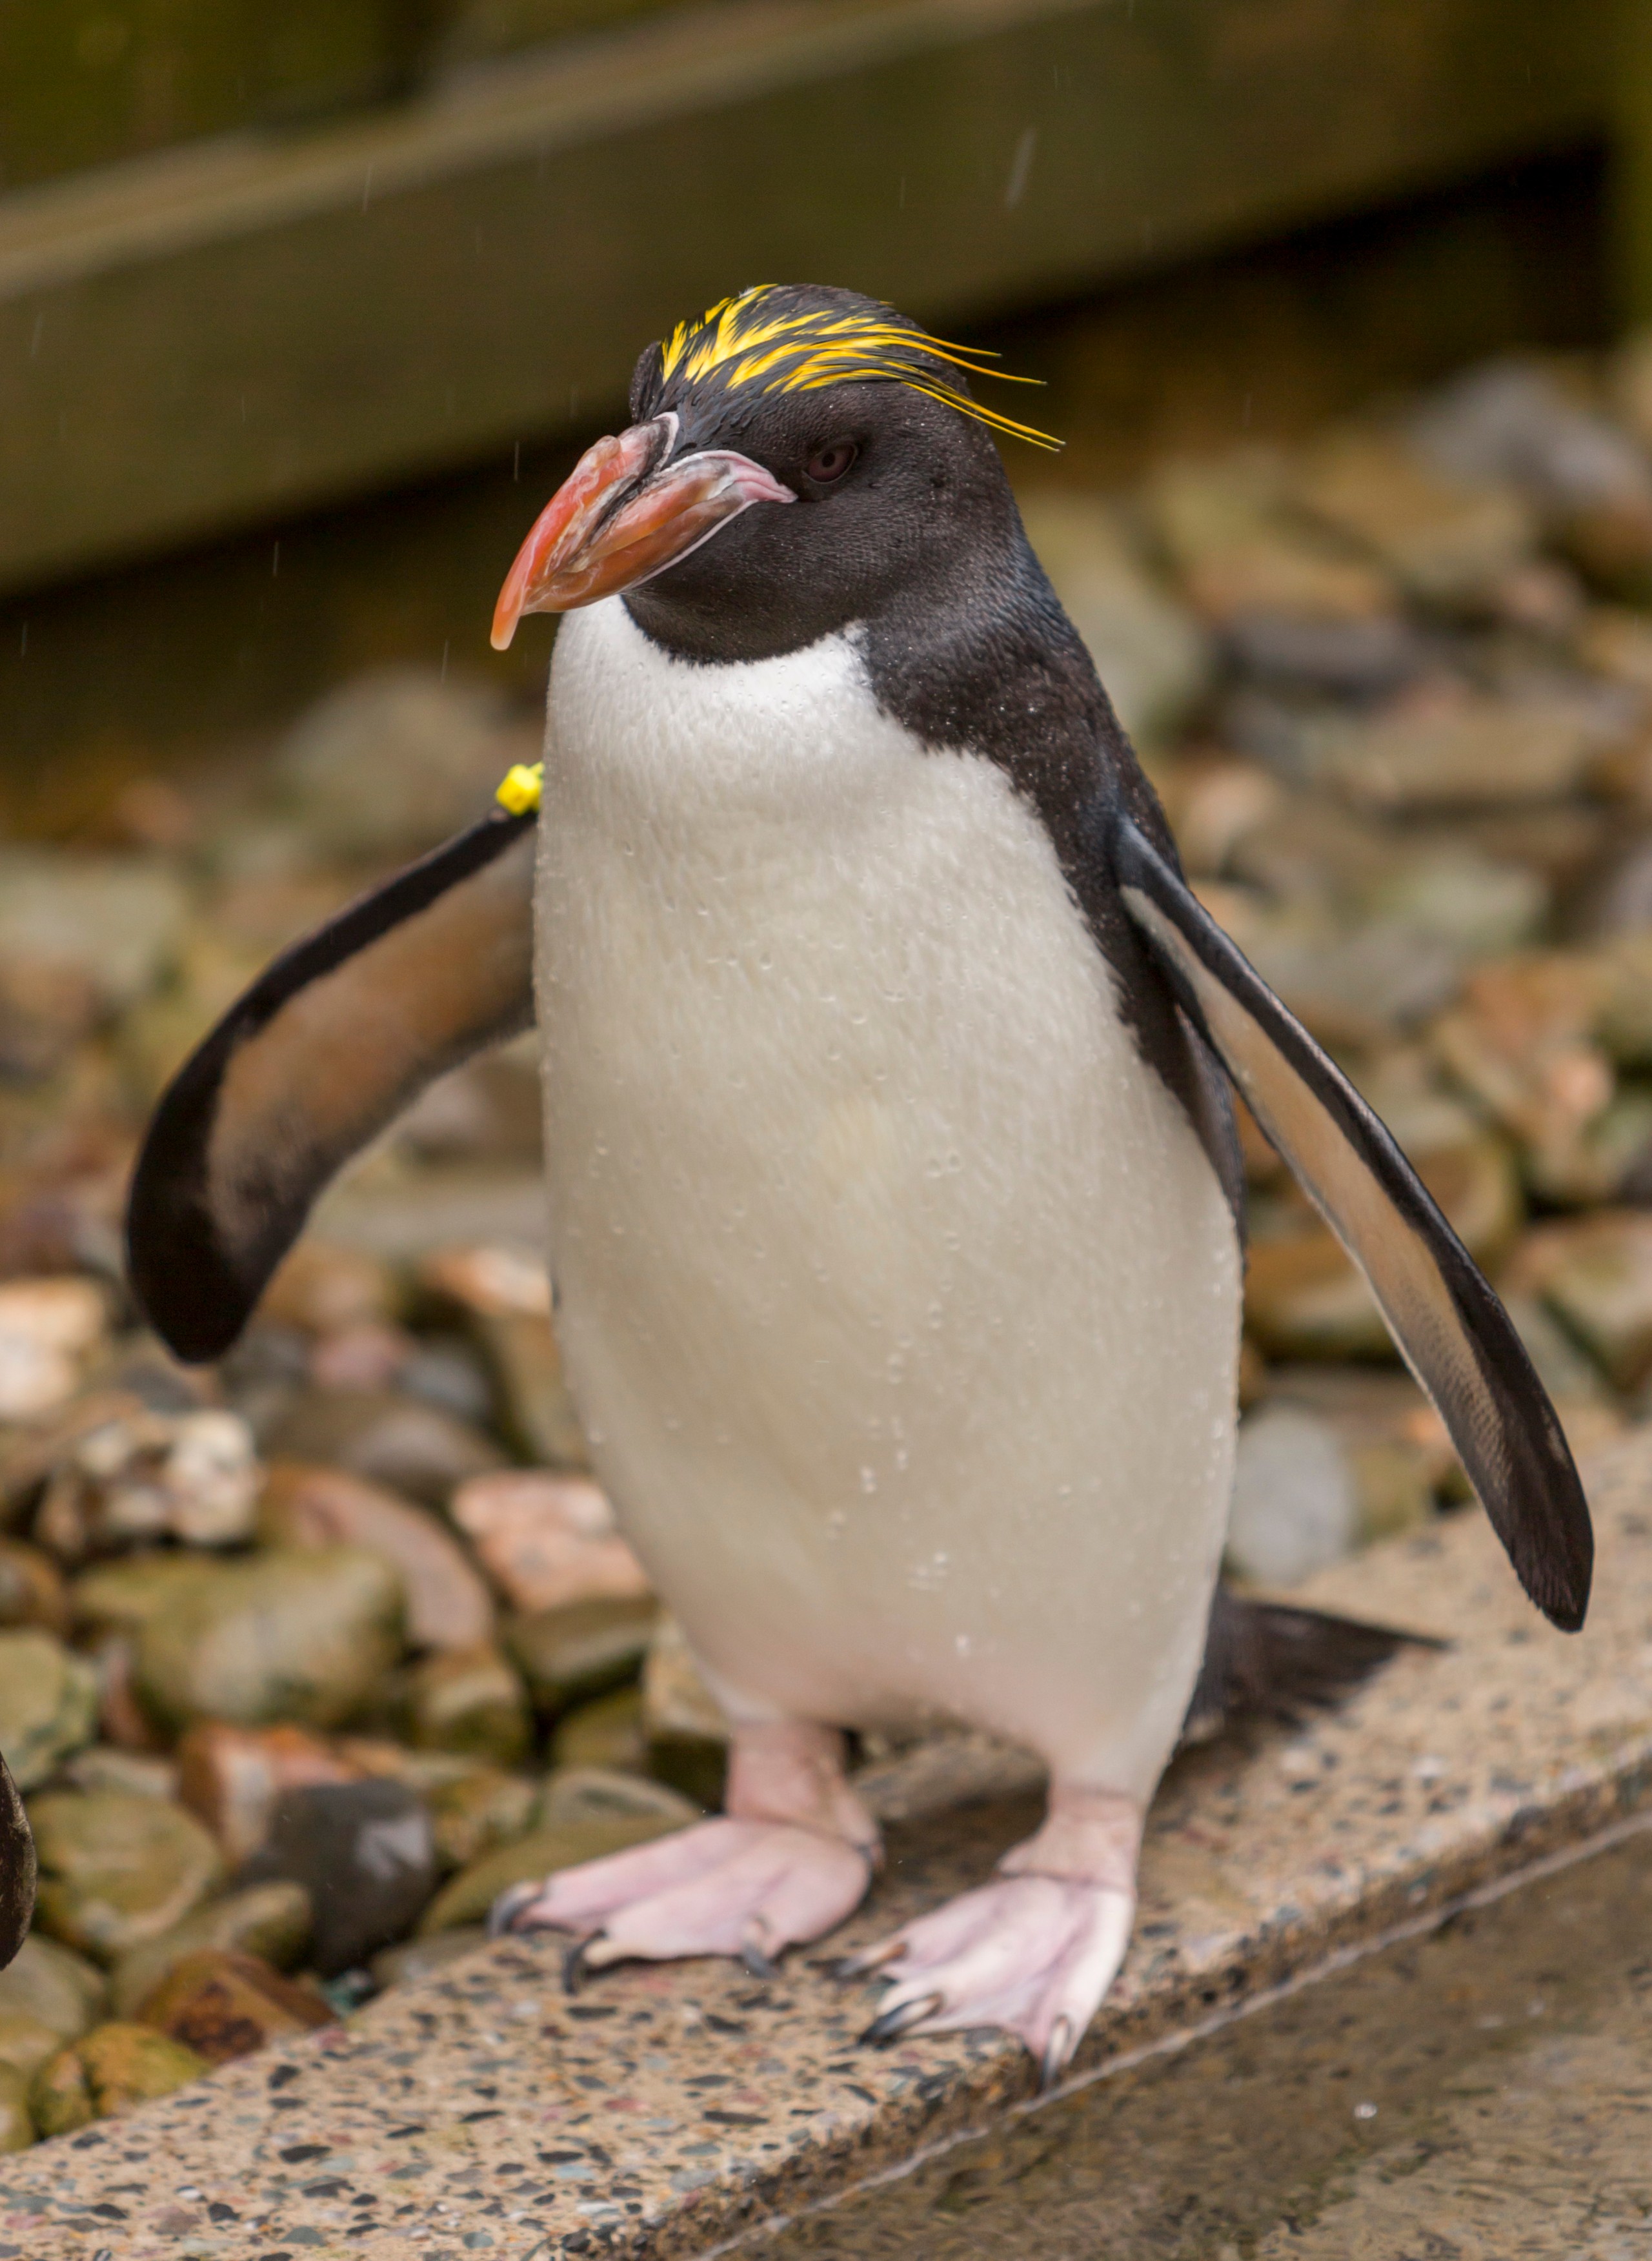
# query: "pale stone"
{"type": "Point", "coordinates": [449, 1605]}
{"type": "Point", "coordinates": [117, 1871]}
{"type": "Point", "coordinates": [290, 1634]}
{"type": "Point", "coordinates": [1155, 659]}
{"type": "Point", "coordinates": [547, 1540]}
{"type": "Point", "coordinates": [1296, 1503]}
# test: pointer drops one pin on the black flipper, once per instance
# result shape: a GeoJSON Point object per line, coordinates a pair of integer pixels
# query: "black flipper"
{"type": "Point", "coordinates": [328, 1044]}
{"type": "Point", "coordinates": [1266, 1660]}
{"type": "Point", "coordinates": [1454, 1334]}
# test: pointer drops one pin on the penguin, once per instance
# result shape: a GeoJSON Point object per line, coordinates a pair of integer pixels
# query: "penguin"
{"type": "Point", "coordinates": [895, 1207]}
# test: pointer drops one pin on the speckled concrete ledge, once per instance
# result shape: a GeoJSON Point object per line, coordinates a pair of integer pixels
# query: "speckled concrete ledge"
{"type": "Point", "coordinates": [668, 2109]}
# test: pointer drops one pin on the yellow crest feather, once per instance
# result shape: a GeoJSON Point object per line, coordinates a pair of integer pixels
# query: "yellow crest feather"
{"type": "Point", "coordinates": [803, 351]}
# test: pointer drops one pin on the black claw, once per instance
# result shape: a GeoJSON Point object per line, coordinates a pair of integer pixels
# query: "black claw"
{"type": "Point", "coordinates": [574, 1967]}
{"type": "Point", "coordinates": [893, 2023]}
{"type": "Point", "coordinates": [503, 1914]}
{"type": "Point", "coordinates": [1057, 2054]}
{"type": "Point", "coordinates": [757, 1962]}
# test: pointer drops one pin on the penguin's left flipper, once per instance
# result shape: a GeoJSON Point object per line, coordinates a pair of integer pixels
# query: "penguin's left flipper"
{"type": "Point", "coordinates": [324, 1049]}
{"type": "Point", "coordinates": [1452, 1332]}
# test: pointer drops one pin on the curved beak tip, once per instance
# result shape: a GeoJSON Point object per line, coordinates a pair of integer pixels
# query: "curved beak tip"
{"type": "Point", "coordinates": [616, 521]}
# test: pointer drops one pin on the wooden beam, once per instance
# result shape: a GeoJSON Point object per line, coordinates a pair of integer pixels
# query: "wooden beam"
{"type": "Point", "coordinates": [1632, 160]}
{"type": "Point", "coordinates": [238, 329]}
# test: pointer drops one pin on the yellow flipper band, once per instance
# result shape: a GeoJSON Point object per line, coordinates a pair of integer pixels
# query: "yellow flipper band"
{"type": "Point", "coordinates": [520, 791]}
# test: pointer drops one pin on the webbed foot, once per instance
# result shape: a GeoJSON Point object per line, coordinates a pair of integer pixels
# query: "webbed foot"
{"type": "Point", "coordinates": [727, 1887]}
{"type": "Point", "coordinates": [791, 1860]}
{"type": "Point", "coordinates": [1034, 1951]}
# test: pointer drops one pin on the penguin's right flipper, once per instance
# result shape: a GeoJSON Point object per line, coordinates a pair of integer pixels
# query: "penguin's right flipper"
{"type": "Point", "coordinates": [1452, 1332]}
{"type": "Point", "coordinates": [329, 1045]}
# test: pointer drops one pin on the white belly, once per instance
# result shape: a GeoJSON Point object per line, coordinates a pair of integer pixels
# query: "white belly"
{"type": "Point", "coordinates": [898, 1296]}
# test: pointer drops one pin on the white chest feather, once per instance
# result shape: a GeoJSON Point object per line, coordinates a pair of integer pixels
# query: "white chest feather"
{"type": "Point", "coordinates": [898, 1295]}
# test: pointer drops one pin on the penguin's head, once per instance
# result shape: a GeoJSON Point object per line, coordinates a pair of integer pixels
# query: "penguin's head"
{"type": "Point", "coordinates": [800, 457]}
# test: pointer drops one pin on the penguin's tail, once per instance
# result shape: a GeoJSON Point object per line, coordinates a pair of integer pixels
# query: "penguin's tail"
{"type": "Point", "coordinates": [1268, 1660]}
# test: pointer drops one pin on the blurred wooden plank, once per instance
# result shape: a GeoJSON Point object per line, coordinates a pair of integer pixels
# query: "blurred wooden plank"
{"type": "Point", "coordinates": [226, 332]}
{"type": "Point", "coordinates": [1631, 142]}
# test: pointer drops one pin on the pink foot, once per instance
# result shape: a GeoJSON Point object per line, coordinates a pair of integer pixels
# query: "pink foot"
{"type": "Point", "coordinates": [744, 1888]}
{"type": "Point", "coordinates": [1035, 1951]}
{"type": "Point", "coordinates": [791, 1861]}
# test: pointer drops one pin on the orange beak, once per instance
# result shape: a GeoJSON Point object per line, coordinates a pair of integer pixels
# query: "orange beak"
{"type": "Point", "coordinates": [623, 515]}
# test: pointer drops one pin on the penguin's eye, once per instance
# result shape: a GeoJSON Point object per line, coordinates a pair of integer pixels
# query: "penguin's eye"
{"type": "Point", "coordinates": [831, 461]}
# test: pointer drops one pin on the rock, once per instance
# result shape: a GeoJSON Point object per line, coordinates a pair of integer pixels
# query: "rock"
{"type": "Point", "coordinates": [1522, 1041]}
{"type": "Point", "coordinates": [470, 1700]}
{"type": "Point", "coordinates": [121, 1596]}
{"type": "Point", "coordinates": [1305, 1299]}
{"type": "Point", "coordinates": [365, 1852]}
{"type": "Point", "coordinates": [367, 1356]}
{"type": "Point", "coordinates": [587, 1793]}
{"type": "Point", "coordinates": [467, 1897]}
{"type": "Point", "coordinates": [48, 1705]}
{"type": "Point", "coordinates": [607, 1732]}
{"type": "Point", "coordinates": [1363, 659]}
{"type": "Point", "coordinates": [1447, 540]}
{"type": "Point", "coordinates": [536, 1414]}
{"type": "Point", "coordinates": [230, 1777]}
{"type": "Point", "coordinates": [675, 1700]}
{"type": "Point", "coordinates": [504, 1295]}
{"type": "Point", "coordinates": [1594, 1273]}
{"type": "Point", "coordinates": [1480, 908]}
{"type": "Point", "coordinates": [324, 1288]}
{"type": "Point", "coordinates": [291, 1633]}
{"type": "Point", "coordinates": [144, 1476]}
{"type": "Point", "coordinates": [271, 1921]}
{"type": "Point", "coordinates": [1156, 660]}
{"type": "Point", "coordinates": [687, 1731]}
{"type": "Point", "coordinates": [265, 1375]}
{"type": "Point", "coordinates": [16, 2122]}
{"type": "Point", "coordinates": [31, 1588]}
{"type": "Point", "coordinates": [582, 1649]}
{"type": "Point", "coordinates": [478, 1813]}
{"type": "Point", "coordinates": [115, 2069]}
{"type": "Point", "coordinates": [25, 2043]}
{"type": "Point", "coordinates": [448, 1372]}
{"type": "Point", "coordinates": [389, 1439]}
{"type": "Point", "coordinates": [1214, 802]}
{"type": "Point", "coordinates": [448, 1605]}
{"type": "Point", "coordinates": [115, 922]}
{"type": "Point", "coordinates": [1296, 1505]}
{"type": "Point", "coordinates": [1445, 745]}
{"type": "Point", "coordinates": [424, 1958]}
{"type": "Point", "coordinates": [48, 1328]}
{"type": "Point", "coordinates": [445, 745]}
{"type": "Point", "coordinates": [138, 1773]}
{"type": "Point", "coordinates": [1223, 526]}
{"type": "Point", "coordinates": [117, 1871]}
{"type": "Point", "coordinates": [53, 1987]}
{"type": "Point", "coordinates": [1351, 986]}
{"type": "Point", "coordinates": [489, 1281]}
{"type": "Point", "coordinates": [547, 1540]}
{"type": "Point", "coordinates": [1588, 482]}
{"type": "Point", "coordinates": [45, 1010]}
{"type": "Point", "coordinates": [222, 2005]}
{"type": "Point", "coordinates": [1396, 1445]}
{"type": "Point", "coordinates": [488, 1110]}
